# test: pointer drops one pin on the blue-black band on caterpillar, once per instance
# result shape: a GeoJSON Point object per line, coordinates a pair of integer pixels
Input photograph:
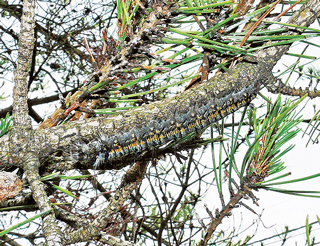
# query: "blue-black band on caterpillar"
{"type": "Point", "coordinates": [160, 131]}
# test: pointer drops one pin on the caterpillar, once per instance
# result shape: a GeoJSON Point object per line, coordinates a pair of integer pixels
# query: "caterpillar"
{"type": "Point", "coordinates": [160, 131]}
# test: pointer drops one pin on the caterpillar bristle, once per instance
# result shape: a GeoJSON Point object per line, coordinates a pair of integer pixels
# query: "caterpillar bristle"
{"type": "Point", "coordinates": [161, 131]}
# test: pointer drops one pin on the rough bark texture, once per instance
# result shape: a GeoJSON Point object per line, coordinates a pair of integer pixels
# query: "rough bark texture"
{"type": "Point", "coordinates": [22, 134]}
{"type": "Point", "coordinates": [59, 141]}
{"type": "Point", "coordinates": [54, 149]}
{"type": "Point", "coordinates": [64, 137]}
{"type": "Point", "coordinates": [20, 91]}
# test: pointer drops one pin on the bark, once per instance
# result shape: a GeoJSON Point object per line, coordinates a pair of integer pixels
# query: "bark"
{"type": "Point", "coordinates": [20, 90]}
{"type": "Point", "coordinates": [22, 134]}
{"type": "Point", "coordinates": [75, 145]}
{"type": "Point", "coordinates": [69, 138]}
{"type": "Point", "coordinates": [63, 142]}
{"type": "Point", "coordinates": [36, 101]}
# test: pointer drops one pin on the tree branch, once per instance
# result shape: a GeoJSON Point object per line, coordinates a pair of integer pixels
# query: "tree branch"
{"type": "Point", "coordinates": [118, 140]}
{"type": "Point", "coordinates": [37, 101]}
{"type": "Point", "coordinates": [22, 124]}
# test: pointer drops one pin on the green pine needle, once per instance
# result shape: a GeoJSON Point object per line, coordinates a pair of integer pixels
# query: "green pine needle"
{"type": "Point", "coordinates": [4, 232]}
{"type": "Point", "coordinates": [5, 125]}
{"type": "Point", "coordinates": [263, 156]}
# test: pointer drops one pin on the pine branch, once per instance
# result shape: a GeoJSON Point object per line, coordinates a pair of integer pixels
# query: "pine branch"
{"type": "Point", "coordinates": [65, 141]}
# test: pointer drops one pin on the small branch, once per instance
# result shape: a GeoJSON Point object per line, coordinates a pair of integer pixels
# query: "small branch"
{"type": "Point", "coordinates": [20, 91]}
{"type": "Point", "coordinates": [26, 199]}
{"type": "Point", "coordinates": [97, 185]}
{"type": "Point", "coordinates": [234, 201]}
{"type": "Point", "coordinates": [115, 241]}
{"type": "Point", "coordinates": [116, 203]}
{"type": "Point", "coordinates": [257, 23]}
{"type": "Point", "coordinates": [37, 101]}
{"type": "Point", "coordinates": [184, 186]}
{"type": "Point", "coordinates": [280, 87]}
{"type": "Point", "coordinates": [35, 115]}
{"type": "Point", "coordinates": [51, 230]}
{"type": "Point", "coordinates": [7, 240]}
{"type": "Point", "coordinates": [70, 218]}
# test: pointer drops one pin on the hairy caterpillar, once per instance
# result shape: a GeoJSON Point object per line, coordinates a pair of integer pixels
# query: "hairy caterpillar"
{"type": "Point", "coordinates": [161, 131]}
